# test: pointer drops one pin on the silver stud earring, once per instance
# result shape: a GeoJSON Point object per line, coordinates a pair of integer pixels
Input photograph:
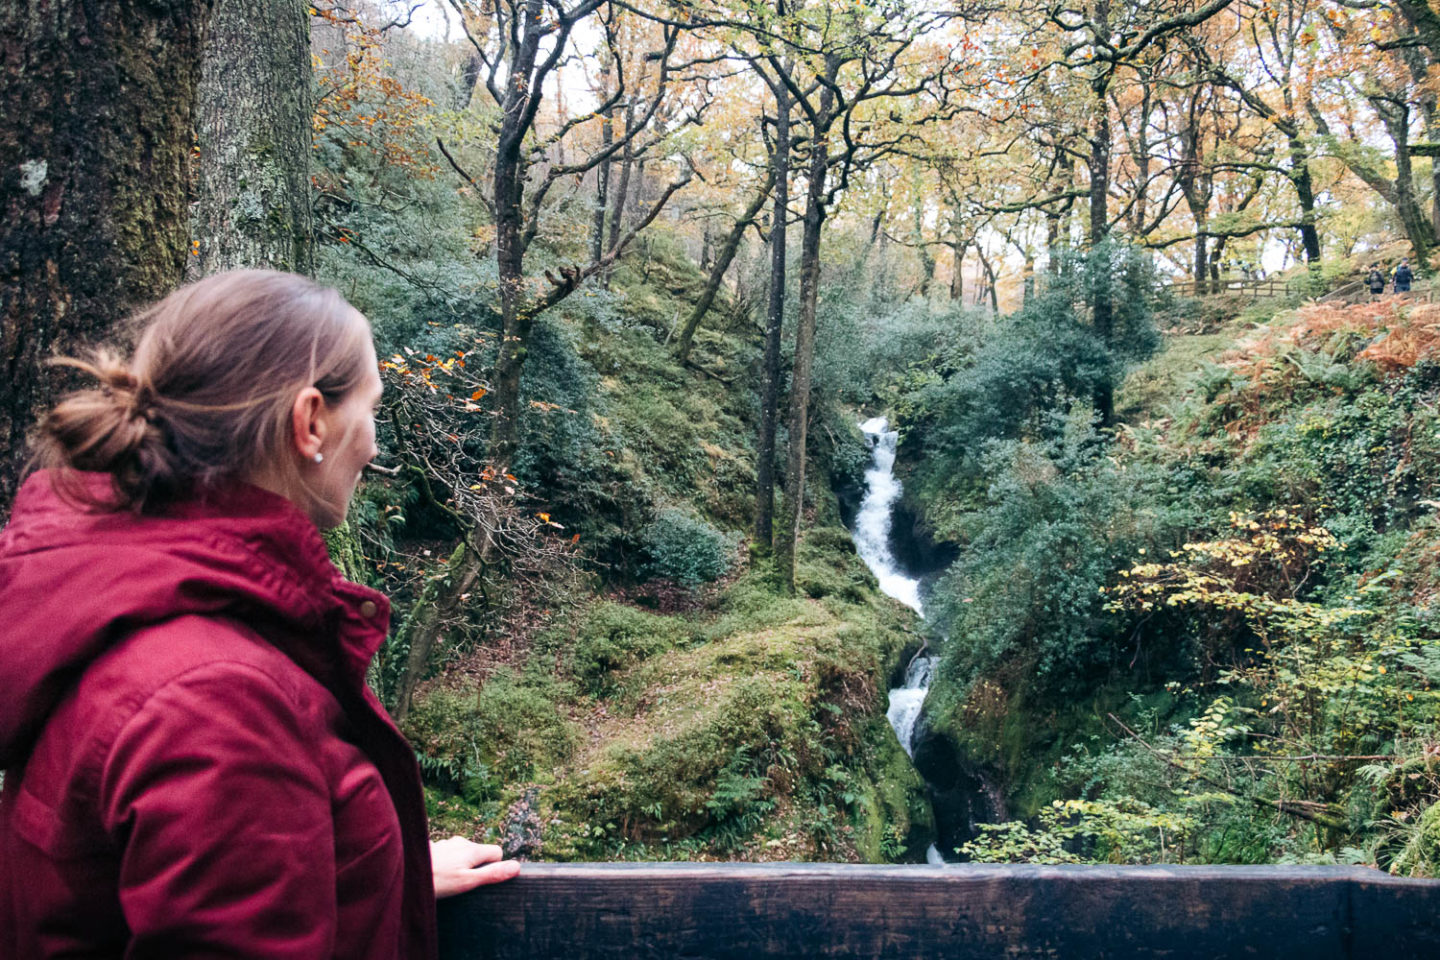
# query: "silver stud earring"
{"type": "Point", "coordinates": [319, 458]}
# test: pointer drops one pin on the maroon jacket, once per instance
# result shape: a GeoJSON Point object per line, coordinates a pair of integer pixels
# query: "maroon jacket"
{"type": "Point", "coordinates": [194, 765]}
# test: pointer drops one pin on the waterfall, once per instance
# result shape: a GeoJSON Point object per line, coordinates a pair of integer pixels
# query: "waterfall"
{"type": "Point", "coordinates": [872, 542]}
{"type": "Point", "coordinates": [872, 523]}
{"type": "Point", "coordinates": [906, 701]}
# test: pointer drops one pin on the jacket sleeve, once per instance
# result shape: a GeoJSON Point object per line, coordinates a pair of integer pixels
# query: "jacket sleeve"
{"type": "Point", "coordinates": [224, 821]}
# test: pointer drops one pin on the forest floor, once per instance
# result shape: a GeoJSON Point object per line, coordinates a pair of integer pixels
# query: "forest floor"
{"type": "Point", "coordinates": [650, 719]}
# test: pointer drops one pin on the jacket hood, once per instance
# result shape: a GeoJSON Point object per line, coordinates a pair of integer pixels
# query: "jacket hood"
{"type": "Point", "coordinates": [74, 581]}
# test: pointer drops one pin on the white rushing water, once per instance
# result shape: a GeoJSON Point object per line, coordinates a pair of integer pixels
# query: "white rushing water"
{"type": "Point", "coordinates": [872, 541]}
{"type": "Point", "coordinates": [872, 523]}
{"type": "Point", "coordinates": [906, 701]}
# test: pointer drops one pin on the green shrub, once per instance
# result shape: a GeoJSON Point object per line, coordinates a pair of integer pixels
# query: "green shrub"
{"type": "Point", "coordinates": [685, 549]}
{"type": "Point", "coordinates": [512, 728]}
{"type": "Point", "coordinates": [826, 565]}
{"type": "Point", "coordinates": [613, 637]}
{"type": "Point", "coordinates": [1026, 587]}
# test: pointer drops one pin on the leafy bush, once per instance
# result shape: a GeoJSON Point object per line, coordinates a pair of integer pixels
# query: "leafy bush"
{"type": "Point", "coordinates": [1026, 588]}
{"type": "Point", "coordinates": [613, 637]}
{"type": "Point", "coordinates": [512, 728]}
{"type": "Point", "coordinates": [686, 549]}
{"type": "Point", "coordinates": [1018, 378]}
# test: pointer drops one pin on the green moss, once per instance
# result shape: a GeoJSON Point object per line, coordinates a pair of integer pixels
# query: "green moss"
{"type": "Point", "coordinates": [612, 637]}
{"type": "Point", "coordinates": [509, 731]}
{"type": "Point", "coordinates": [902, 824]}
{"type": "Point", "coordinates": [826, 565]}
{"type": "Point", "coordinates": [755, 729]}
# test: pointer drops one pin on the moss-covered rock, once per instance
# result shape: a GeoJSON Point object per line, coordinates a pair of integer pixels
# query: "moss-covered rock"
{"type": "Point", "coordinates": [754, 728]}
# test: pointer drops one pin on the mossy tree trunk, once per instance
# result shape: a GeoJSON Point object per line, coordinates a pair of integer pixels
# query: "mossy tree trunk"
{"type": "Point", "coordinates": [602, 172]}
{"type": "Point", "coordinates": [347, 553]}
{"type": "Point", "coordinates": [1394, 112]}
{"type": "Point", "coordinates": [1102, 308]}
{"type": "Point", "coordinates": [439, 601]}
{"type": "Point", "coordinates": [792, 508]}
{"type": "Point", "coordinates": [252, 205]}
{"type": "Point", "coordinates": [774, 326]}
{"type": "Point", "coordinates": [99, 107]}
{"type": "Point", "coordinates": [728, 249]}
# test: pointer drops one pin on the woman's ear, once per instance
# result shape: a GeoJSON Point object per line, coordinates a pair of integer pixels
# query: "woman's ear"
{"type": "Point", "coordinates": [307, 421]}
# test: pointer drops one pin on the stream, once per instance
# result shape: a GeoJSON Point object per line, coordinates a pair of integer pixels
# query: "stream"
{"type": "Point", "coordinates": [872, 542]}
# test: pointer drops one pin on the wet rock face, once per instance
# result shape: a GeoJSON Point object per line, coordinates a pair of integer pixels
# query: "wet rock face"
{"type": "Point", "coordinates": [962, 797]}
{"type": "Point", "coordinates": [848, 494]}
{"type": "Point", "coordinates": [914, 550]}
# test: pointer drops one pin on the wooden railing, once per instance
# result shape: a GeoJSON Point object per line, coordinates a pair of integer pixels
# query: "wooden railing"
{"type": "Point", "coordinates": [961, 912]}
{"type": "Point", "coordinates": [1352, 292]}
{"type": "Point", "coordinates": [1255, 289]}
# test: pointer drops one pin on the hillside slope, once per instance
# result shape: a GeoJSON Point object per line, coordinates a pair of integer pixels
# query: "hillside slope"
{"type": "Point", "coordinates": [1213, 638]}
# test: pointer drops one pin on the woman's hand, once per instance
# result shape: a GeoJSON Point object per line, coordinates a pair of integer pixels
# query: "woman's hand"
{"type": "Point", "coordinates": [460, 865]}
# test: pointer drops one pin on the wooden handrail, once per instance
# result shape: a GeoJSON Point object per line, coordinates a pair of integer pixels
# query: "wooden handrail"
{"type": "Point", "coordinates": [960, 912]}
{"type": "Point", "coordinates": [1269, 287]}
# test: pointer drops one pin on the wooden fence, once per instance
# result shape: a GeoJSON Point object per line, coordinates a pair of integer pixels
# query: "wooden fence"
{"type": "Point", "coordinates": [1254, 289]}
{"type": "Point", "coordinates": [959, 912]}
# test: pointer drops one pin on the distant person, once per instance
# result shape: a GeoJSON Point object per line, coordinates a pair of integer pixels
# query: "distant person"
{"type": "Point", "coordinates": [194, 765]}
{"type": "Point", "coordinates": [1403, 277]}
{"type": "Point", "coordinates": [1375, 280]}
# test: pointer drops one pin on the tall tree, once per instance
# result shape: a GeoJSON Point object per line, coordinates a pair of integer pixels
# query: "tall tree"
{"type": "Point", "coordinates": [520, 44]}
{"type": "Point", "coordinates": [728, 248]}
{"type": "Point", "coordinates": [774, 326]}
{"type": "Point", "coordinates": [252, 140]}
{"type": "Point", "coordinates": [845, 62]}
{"type": "Point", "coordinates": [1100, 42]}
{"type": "Point", "coordinates": [99, 105]}
{"type": "Point", "coordinates": [1270, 82]}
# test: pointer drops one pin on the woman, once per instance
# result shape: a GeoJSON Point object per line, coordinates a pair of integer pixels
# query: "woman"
{"type": "Point", "coordinates": [194, 764]}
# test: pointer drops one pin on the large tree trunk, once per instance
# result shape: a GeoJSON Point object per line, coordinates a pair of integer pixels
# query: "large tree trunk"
{"type": "Point", "coordinates": [98, 100]}
{"type": "Point", "coordinates": [469, 76]}
{"type": "Point", "coordinates": [1142, 161]}
{"type": "Point", "coordinates": [437, 603]}
{"type": "Point", "coordinates": [1299, 177]}
{"type": "Point", "coordinates": [1201, 268]}
{"type": "Point", "coordinates": [252, 194]}
{"type": "Point", "coordinates": [927, 260]}
{"type": "Point", "coordinates": [1102, 309]}
{"type": "Point", "coordinates": [622, 191]}
{"type": "Point", "coordinates": [722, 263]}
{"type": "Point", "coordinates": [957, 272]}
{"type": "Point", "coordinates": [1396, 117]}
{"type": "Point", "coordinates": [799, 419]}
{"type": "Point", "coordinates": [774, 325]}
{"type": "Point", "coordinates": [509, 180]}
{"type": "Point", "coordinates": [990, 280]}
